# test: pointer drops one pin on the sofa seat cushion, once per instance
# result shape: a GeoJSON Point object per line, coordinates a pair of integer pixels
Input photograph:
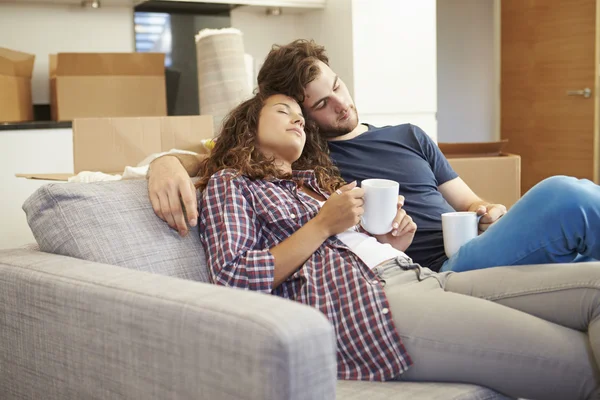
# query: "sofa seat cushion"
{"type": "Point", "coordinates": [358, 390]}
{"type": "Point", "coordinates": [112, 223]}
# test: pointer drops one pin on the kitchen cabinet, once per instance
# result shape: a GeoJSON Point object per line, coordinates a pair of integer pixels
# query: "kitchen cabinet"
{"type": "Point", "coordinates": [28, 150]}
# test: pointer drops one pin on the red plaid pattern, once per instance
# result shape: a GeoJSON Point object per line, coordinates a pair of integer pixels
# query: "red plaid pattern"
{"type": "Point", "coordinates": [241, 219]}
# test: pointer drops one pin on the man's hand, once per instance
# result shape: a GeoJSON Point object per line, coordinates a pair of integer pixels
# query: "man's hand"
{"type": "Point", "coordinates": [403, 229]}
{"type": "Point", "coordinates": [169, 185]}
{"type": "Point", "coordinates": [490, 214]}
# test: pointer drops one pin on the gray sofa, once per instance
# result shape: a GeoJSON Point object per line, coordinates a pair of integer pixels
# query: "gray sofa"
{"type": "Point", "coordinates": [115, 305]}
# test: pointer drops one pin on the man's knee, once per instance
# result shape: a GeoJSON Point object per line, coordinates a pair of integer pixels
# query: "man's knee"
{"type": "Point", "coordinates": [557, 183]}
{"type": "Point", "coordinates": [561, 191]}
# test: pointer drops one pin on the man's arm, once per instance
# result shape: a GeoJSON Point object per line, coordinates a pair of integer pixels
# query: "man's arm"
{"type": "Point", "coordinates": [460, 196]}
{"type": "Point", "coordinates": [169, 185]}
{"type": "Point", "coordinates": [190, 162]}
{"type": "Point", "coordinates": [455, 190]}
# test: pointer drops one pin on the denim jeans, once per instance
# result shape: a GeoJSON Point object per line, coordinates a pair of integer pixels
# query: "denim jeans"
{"type": "Point", "coordinates": [557, 221]}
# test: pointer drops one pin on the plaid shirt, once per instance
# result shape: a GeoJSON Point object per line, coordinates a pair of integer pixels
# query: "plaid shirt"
{"type": "Point", "coordinates": [241, 219]}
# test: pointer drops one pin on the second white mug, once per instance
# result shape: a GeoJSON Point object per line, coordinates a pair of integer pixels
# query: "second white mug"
{"type": "Point", "coordinates": [381, 205]}
{"type": "Point", "coordinates": [458, 229]}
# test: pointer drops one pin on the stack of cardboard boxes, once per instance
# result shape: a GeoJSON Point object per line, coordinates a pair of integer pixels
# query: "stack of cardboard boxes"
{"type": "Point", "coordinates": [492, 174]}
{"type": "Point", "coordinates": [16, 69]}
{"type": "Point", "coordinates": [112, 85]}
{"type": "Point", "coordinates": [85, 85]}
{"type": "Point", "coordinates": [109, 145]}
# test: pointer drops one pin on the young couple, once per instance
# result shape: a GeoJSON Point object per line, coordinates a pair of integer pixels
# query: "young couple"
{"type": "Point", "coordinates": [276, 217]}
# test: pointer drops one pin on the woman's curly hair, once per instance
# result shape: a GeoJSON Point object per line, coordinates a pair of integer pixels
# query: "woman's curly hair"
{"type": "Point", "coordinates": [237, 148]}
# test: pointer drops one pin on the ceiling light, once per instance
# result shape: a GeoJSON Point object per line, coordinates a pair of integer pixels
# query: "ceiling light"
{"type": "Point", "coordinates": [91, 3]}
{"type": "Point", "coordinates": [274, 11]}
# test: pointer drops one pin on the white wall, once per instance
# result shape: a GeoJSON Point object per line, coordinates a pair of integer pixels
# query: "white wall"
{"type": "Point", "coordinates": [394, 46]}
{"type": "Point", "coordinates": [46, 29]}
{"type": "Point", "coordinates": [467, 71]}
{"type": "Point", "coordinates": [262, 31]}
{"type": "Point", "coordinates": [391, 76]}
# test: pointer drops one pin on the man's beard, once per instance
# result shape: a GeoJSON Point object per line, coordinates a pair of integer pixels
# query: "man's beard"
{"type": "Point", "coordinates": [346, 127]}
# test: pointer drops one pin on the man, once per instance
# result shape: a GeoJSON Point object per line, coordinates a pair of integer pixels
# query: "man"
{"type": "Point", "coordinates": [553, 223]}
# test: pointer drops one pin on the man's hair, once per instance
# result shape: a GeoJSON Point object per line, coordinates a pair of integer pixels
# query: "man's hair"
{"type": "Point", "coordinates": [237, 148]}
{"type": "Point", "coordinates": [289, 68]}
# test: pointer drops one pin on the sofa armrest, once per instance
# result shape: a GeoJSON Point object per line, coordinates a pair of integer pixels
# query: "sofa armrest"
{"type": "Point", "coordinates": [74, 329]}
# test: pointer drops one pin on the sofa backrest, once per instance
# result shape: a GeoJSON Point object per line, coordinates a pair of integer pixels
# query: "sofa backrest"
{"type": "Point", "coordinates": [112, 223]}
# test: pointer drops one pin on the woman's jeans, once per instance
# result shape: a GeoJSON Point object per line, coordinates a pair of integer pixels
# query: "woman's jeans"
{"type": "Point", "coordinates": [557, 221]}
{"type": "Point", "coordinates": [525, 332]}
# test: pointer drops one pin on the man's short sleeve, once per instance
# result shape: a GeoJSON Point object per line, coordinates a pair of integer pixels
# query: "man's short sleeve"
{"type": "Point", "coordinates": [439, 164]}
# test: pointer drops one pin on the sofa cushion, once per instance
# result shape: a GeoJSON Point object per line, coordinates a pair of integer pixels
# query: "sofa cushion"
{"type": "Point", "coordinates": [112, 223]}
{"type": "Point", "coordinates": [355, 390]}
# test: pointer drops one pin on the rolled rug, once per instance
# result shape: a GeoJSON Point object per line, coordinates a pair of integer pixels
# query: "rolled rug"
{"type": "Point", "coordinates": [222, 73]}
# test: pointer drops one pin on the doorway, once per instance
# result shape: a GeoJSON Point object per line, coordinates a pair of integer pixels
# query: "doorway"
{"type": "Point", "coordinates": [549, 81]}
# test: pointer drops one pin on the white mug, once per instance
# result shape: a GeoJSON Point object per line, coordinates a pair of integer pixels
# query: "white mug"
{"type": "Point", "coordinates": [381, 205]}
{"type": "Point", "coordinates": [458, 229]}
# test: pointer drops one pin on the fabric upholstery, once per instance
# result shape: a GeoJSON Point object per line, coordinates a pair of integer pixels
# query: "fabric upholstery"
{"type": "Point", "coordinates": [78, 329]}
{"type": "Point", "coordinates": [112, 223]}
{"type": "Point", "coordinates": [353, 390]}
{"type": "Point", "coordinates": [74, 329]}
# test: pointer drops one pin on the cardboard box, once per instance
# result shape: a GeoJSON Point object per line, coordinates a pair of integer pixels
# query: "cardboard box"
{"type": "Point", "coordinates": [110, 144]}
{"type": "Point", "coordinates": [16, 69]}
{"type": "Point", "coordinates": [90, 85]}
{"type": "Point", "coordinates": [493, 175]}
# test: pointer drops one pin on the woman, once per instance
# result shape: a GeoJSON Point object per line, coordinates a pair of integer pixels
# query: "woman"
{"type": "Point", "coordinates": [276, 218]}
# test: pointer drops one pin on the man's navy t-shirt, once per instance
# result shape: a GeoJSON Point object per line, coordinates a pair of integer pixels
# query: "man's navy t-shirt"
{"type": "Point", "coordinates": [405, 154]}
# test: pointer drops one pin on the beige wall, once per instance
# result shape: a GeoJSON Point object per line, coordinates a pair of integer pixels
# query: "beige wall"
{"type": "Point", "coordinates": [467, 71]}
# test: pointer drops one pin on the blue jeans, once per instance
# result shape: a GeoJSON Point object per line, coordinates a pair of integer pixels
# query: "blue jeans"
{"type": "Point", "coordinates": [557, 221]}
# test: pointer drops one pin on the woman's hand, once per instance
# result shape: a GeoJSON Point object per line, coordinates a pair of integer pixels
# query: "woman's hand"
{"type": "Point", "coordinates": [403, 229]}
{"type": "Point", "coordinates": [342, 210]}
